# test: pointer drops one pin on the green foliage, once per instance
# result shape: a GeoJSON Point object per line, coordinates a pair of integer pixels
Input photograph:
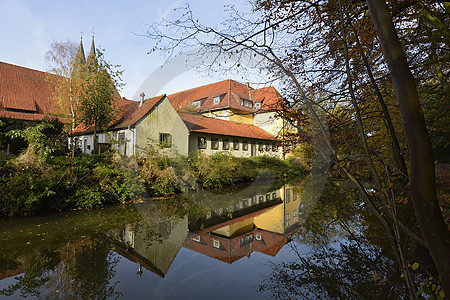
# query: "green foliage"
{"type": "Point", "coordinates": [165, 173]}
{"type": "Point", "coordinates": [34, 183]}
{"type": "Point", "coordinates": [63, 183]}
{"type": "Point", "coordinates": [221, 169]}
{"type": "Point", "coordinates": [37, 141]}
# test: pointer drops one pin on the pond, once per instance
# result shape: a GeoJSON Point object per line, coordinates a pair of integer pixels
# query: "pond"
{"type": "Point", "coordinates": [309, 238]}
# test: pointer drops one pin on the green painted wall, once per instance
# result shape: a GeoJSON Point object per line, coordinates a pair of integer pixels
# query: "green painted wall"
{"type": "Point", "coordinates": [162, 119]}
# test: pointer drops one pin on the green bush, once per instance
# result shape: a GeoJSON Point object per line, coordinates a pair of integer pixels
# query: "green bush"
{"type": "Point", "coordinates": [66, 183]}
{"type": "Point", "coordinates": [30, 184]}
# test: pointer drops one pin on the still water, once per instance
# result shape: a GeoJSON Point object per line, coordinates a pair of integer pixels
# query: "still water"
{"type": "Point", "coordinates": [308, 238]}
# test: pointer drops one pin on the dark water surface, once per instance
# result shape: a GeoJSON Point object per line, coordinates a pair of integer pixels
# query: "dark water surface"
{"type": "Point", "coordinates": [306, 239]}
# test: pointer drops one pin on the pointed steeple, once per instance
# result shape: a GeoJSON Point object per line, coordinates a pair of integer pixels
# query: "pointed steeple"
{"type": "Point", "coordinates": [92, 58]}
{"type": "Point", "coordinates": [80, 60]}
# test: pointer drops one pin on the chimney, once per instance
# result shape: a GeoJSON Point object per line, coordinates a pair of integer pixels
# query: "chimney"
{"type": "Point", "coordinates": [142, 98]}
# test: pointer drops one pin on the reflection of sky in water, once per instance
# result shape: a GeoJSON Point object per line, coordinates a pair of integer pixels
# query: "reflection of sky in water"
{"type": "Point", "coordinates": [195, 276]}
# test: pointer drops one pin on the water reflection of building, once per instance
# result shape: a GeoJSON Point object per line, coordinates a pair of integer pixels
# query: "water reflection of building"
{"type": "Point", "coordinates": [152, 247]}
{"type": "Point", "coordinates": [266, 229]}
{"type": "Point", "coordinates": [227, 230]}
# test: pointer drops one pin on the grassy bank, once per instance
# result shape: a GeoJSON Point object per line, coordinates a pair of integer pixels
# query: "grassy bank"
{"type": "Point", "coordinates": [31, 184]}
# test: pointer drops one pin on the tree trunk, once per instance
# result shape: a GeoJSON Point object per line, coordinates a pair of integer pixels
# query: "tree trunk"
{"type": "Point", "coordinates": [422, 186]}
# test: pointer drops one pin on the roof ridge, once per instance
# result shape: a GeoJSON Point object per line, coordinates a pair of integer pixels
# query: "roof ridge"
{"type": "Point", "coordinates": [17, 66]}
{"type": "Point", "coordinates": [201, 86]}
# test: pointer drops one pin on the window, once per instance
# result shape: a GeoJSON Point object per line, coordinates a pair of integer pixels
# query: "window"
{"type": "Point", "coordinates": [216, 244]}
{"type": "Point", "coordinates": [267, 147]}
{"type": "Point", "coordinates": [274, 195]}
{"type": "Point", "coordinates": [294, 216]}
{"type": "Point", "coordinates": [288, 195]}
{"type": "Point", "coordinates": [288, 220]}
{"type": "Point", "coordinates": [216, 100]}
{"type": "Point", "coordinates": [294, 196]}
{"type": "Point", "coordinates": [201, 142]}
{"type": "Point", "coordinates": [258, 236]}
{"type": "Point", "coordinates": [235, 144]}
{"type": "Point", "coordinates": [245, 240]}
{"type": "Point", "coordinates": [196, 103]}
{"type": "Point", "coordinates": [122, 143]}
{"type": "Point", "coordinates": [121, 138]}
{"type": "Point", "coordinates": [245, 145]}
{"type": "Point", "coordinates": [274, 148]}
{"type": "Point", "coordinates": [214, 143]}
{"type": "Point", "coordinates": [268, 197]}
{"type": "Point", "coordinates": [245, 102]}
{"type": "Point", "coordinates": [261, 199]}
{"type": "Point", "coordinates": [260, 147]}
{"type": "Point", "coordinates": [257, 105]}
{"type": "Point", "coordinates": [225, 144]}
{"type": "Point", "coordinates": [165, 140]}
{"type": "Point", "coordinates": [196, 239]}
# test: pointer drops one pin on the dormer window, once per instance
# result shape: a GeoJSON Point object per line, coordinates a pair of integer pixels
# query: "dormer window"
{"type": "Point", "coordinates": [196, 103]}
{"type": "Point", "coordinates": [245, 102]}
{"type": "Point", "coordinates": [216, 100]}
{"type": "Point", "coordinates": [257, 105]}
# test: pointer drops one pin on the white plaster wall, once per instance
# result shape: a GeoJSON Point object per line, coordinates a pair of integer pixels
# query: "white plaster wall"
{"type": "Point", "coordinates": [268, 122]}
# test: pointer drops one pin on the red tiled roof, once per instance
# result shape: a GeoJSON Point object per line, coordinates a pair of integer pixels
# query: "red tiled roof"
{"type": "Point", "coordinates": [230, 92]}
{"type": "Point", "coordinates": [197, 123]}
{"type": "Point", "coordinates": [25, 94]}
{"type": "Point", "coordinates": [230, 249]}
{"type": "Point", "coordinates": [128, 113]}
{"type": "Point", "coordinates": [269, 97]}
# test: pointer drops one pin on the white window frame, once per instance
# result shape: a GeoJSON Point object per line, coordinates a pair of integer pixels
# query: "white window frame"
{"type": "Point", "coordinates": [196, 103]}
{"type": "Point", "coordinates": [216, 244]}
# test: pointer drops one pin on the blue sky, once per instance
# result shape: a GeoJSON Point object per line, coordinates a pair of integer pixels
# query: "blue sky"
{"type": "Point", "coordinates": [28, 27]}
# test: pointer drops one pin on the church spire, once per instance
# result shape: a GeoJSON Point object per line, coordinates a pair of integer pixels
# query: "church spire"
{"type": "Point", "coordinates": [80, 60]}
{"type": "Point", "coordinates": [92, 58]}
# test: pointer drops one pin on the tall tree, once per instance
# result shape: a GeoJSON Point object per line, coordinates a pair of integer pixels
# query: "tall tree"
{"type": "Point", "coordinates": [422, 185]}
{"type": "Point", "coordinates": [98, 95]}
{"type": "Point", "coordinates": [68, 64]}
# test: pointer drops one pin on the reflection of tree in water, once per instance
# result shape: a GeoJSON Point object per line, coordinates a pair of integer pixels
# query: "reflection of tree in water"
{"type": "Point", "coordinates": [348, 256]}
{"type": "Point", "coordinates": [351, 270]}
{"type": "Point", "coordinates": [93, 270]}
{"type": "Point", "coordinates": [80, 271]}
{"type": "Point", "coordinates": [37, 273]}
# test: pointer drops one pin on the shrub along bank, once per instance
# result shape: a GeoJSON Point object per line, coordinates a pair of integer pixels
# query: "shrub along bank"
{"type": "Point", "coordinates": [31, 184]}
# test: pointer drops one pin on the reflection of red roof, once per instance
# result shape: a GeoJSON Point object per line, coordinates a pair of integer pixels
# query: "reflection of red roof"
{"type": "Point", "coordinates": [230, 93]}
{"type": "Point", "coordinates": [25, 94]}
{"type": "Point", "coordinates": [11, 273]}
{"type": "Point", "coordinates": [271, 242]}
{"type": "Point", "coordinates": [231, 250]}
{"type": "Point", "coordinates": [203, 124]}
{"type": "Point", "coordinates": [128, 113]}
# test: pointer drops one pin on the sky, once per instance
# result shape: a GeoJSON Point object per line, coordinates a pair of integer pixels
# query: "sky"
{"type": "Point", "coordinates": [28, 27]}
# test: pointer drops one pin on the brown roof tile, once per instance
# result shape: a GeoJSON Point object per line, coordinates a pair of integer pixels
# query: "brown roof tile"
{"type": "Point", "coordinates": [128, 113]}
{"type": "Point", "coordinates": [230, 92]}
{"type": "Point", "coordinates": [197, 123]}
{"type": "Point", "coordinates": [25, 93]}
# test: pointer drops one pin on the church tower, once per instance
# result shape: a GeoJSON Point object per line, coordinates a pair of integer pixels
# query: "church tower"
{"type": "Point", "coordinates": [92, 57]}
{"type": "Point", "coordinates": [80, 61]}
